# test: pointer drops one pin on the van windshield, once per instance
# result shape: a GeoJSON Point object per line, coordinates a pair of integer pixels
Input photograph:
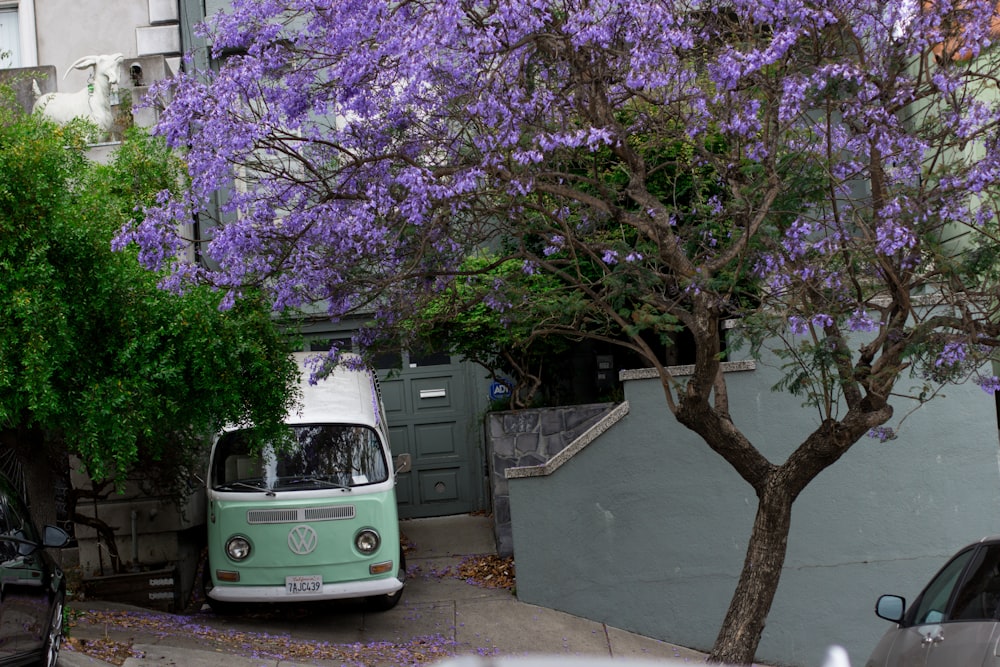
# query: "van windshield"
{"type": "Point", "coordinates": [312, 457]}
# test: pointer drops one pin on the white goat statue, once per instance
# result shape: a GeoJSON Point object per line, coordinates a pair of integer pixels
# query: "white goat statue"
{"type": "Point", "coordinates": [92, 102]}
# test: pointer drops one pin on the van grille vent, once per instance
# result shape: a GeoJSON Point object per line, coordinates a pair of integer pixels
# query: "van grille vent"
{"type": "Point", "coordinates": [272, 516]}
{"type": "Point", "coordinates": [331, 513]}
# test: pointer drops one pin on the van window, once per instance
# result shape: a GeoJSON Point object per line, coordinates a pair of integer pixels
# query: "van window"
{"type": "Point", "coordinates": [320, 456]}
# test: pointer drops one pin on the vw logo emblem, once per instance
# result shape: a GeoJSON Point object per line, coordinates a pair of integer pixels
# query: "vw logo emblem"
{"type": "Point", "coordinates": [302, 540]}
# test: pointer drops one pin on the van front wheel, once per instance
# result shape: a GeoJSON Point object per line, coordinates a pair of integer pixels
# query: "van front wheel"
{"type": "Point", "coordinates": [390, 600]}
{"type": "Point", "coordinates": [220, 608]}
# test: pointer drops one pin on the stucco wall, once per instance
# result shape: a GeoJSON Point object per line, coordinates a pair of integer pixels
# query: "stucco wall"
{"type": "Point", "coordinates": [69, 29]}
{"type": "Point", "coordinates": [645, 528]}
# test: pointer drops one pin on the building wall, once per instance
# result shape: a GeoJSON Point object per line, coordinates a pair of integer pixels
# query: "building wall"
{"type": "Point", "coordinates": [645, 528]}
{"type": "Point", "coordinates": [69, 29]}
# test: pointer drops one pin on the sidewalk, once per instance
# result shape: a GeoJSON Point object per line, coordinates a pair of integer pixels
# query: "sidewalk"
{"type": "Point", "coordinates": [440, 616]}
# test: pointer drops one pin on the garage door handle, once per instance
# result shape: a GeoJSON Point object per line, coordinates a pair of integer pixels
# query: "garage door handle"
{"type": "Point", "coordinates": [433, 393]}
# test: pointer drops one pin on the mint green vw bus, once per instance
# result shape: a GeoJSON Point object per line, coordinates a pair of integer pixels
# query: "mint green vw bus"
{"type": "Point", "coordinates": [312, 517]}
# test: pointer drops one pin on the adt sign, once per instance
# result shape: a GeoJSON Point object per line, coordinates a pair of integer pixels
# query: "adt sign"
{"type": "Point", "coordinates": [499, 390]}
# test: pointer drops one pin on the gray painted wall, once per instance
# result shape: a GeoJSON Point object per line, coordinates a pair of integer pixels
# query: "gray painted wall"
{"type": "Point", "coordinates": [69, 29]}
{"type": "Point", "coordinates": [645, 528]}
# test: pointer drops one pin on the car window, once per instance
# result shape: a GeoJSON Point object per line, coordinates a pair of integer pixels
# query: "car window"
{"type": "Point", "coordinates": [12, 520]}
{"type": "Point", "coordinates": [933, 602]}
{"type": "Point", "coordinates": [978, 598]}
{"type": "Point", "coordinates": [15, 528]}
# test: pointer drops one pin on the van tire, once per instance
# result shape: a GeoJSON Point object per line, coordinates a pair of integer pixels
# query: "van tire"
{"type": "Point", "coordinates": [220, 608]}
{"type": "Point", "coordinates": [390, 600]}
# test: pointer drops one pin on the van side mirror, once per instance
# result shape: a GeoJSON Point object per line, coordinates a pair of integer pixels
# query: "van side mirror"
{"type": "Point", "coordinates": [403, 463]}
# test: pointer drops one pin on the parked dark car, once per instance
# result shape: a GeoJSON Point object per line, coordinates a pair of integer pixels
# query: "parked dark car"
{"type": "Point", "coordinates": [953, 622]}
{"type": "Point", "coordinates": [32, 586]}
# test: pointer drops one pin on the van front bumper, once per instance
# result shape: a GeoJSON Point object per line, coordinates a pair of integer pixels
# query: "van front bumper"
{"type": "Point", "coordinates": [349, 589]}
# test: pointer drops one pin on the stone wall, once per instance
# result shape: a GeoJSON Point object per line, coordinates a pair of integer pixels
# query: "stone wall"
{"type": "Point", "coordinates": [522, 438]}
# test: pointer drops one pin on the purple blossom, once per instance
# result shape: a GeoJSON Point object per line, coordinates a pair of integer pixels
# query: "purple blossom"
{"type": "Point", "coordinates": [715, 205]}
{"type": "Point", "coordinates": [796, 242]}
{"type": "Point", "coordinates": [822, 320]}
{"type": "Point", "coordinates": [555, 245]}
{"type": "Point", "coordinates": [953, 354]}
{"type": "Point", "coordinates": [989, 384]}
{"type": "Point", "coordinates": [860, 321]}
{"type": "Point", "coordinates": [882, 433]}
{"type": "Point", "coordinates": [893, 237]}
{"type": "Point", "coordinates": [362, 151]}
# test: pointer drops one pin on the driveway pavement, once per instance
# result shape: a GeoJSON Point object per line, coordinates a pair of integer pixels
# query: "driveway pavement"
{"type": "Point", "coordinates": [440, 616]}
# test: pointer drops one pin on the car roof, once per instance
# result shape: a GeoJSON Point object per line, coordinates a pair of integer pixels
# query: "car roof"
{"type": "Point", "coordinates": [987, 539]}
{"type": "Point", "coordinates": [347, 395]}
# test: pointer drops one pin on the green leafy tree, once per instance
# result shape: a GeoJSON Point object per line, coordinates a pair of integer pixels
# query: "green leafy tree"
{"type": "Point", "coordinates": [95, 360]}
{"type": "Point", "coordinates": [465, 319]}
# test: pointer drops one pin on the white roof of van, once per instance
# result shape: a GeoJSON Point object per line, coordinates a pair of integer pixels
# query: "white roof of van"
{"type": "Point", "coordinates": [345, 396]}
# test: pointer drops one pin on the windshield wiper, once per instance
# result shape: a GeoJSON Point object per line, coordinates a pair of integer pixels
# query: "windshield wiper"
{"type": "Point", "coordinates": [319, 481]}
{"type": "Point", "coordinates": [231, 486]}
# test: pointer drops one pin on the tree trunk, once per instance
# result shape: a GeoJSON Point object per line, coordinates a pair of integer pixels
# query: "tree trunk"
{"type": "Point", "coordinates": [744, 623]}
{"type": "Point", "coordinates": [105, 533]}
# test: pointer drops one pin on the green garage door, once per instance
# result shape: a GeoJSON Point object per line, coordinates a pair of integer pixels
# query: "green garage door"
{"type": "Point", "coordinates": [431, 407]}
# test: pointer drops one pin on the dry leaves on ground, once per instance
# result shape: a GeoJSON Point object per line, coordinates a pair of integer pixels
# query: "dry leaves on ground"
{"type": "Point", "coordinates": [107, 650]}
{"type": "Point", "coordinates": [258, 645]}
{"type": "Point", "coordinates": [490, 571]}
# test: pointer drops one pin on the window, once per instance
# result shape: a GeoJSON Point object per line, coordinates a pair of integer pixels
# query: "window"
{"type": "Point", "coordinates": [17, 535]}
{"type": "Point", "coordinates": [312, 457]}
{"type": "Point", "coordinates": [933, 602]}
{"type": "Point", "coordinates": [421, 357]}
{"type": "Point", "coordinates": [325, 344]}
{"type": "Point", "coordinates": [979, 596]}
{"type": "Point", "coordinates": [10, 41]}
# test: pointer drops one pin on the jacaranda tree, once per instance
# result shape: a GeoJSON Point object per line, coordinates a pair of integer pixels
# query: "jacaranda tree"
{"type": "Point", "coordinates": [826, 173]}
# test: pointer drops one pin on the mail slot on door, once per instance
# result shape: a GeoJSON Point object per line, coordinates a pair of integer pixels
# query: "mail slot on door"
{"type": "Point", "coordinates": [433, 393]}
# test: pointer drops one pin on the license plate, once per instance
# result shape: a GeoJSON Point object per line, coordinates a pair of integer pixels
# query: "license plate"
{"type": "Point", "coordinates": [304, 585]}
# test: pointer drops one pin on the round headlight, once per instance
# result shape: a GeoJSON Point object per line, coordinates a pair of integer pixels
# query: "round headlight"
{"type": "Point", "coordinates": [367, 541]}
{"type": "Point", "coordinates": [238, 547]}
